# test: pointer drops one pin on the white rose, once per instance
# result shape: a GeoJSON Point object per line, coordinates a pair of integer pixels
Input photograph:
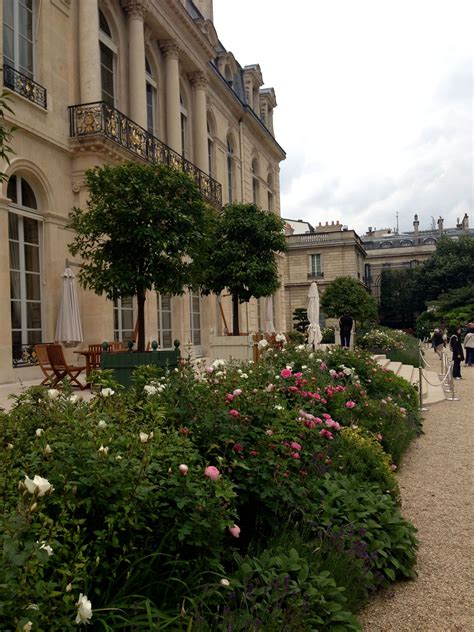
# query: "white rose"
{"type": "Point", "coordinates": [263, 344]}
{"type": "Point", "coordinates": [104, 450]}
{"type": "Point", "coordinates": [27, 627]}
{"type": "Point", "coordinates": [38, 486]}
{"type": "Point", "coordinates": [46, 548]}
{"type": "Point", "coordinates": [150, 390]}
{"type": "Point", "coordinates": [102, 424]}
{"type": "Point", "coordinates": [144, 437]}
{"type": "Point", "coordinates": [84, 609]}
{"type": "Point", "coordinates": [224, 582]}
{"type": "Point", "coordinates": [53, 393]}
{"type": "Point", "coordinates": [107, 392]}
{"type": "Point", "coordinates": [47, 449]}
{"type": "Point", "coordinates": [39, 432]}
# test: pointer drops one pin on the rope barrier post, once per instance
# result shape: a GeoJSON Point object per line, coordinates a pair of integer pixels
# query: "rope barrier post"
{"type": "Point", "coordinates": [420, 379]}
{"type": "Point", "coordinates": [452, 398]}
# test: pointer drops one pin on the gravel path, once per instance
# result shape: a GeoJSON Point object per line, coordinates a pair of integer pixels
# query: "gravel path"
{"type": "Point", "coordinates": [437, 487]}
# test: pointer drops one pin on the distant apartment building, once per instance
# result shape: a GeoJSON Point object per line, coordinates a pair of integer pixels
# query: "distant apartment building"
{"type": "Point", "coordinates": [388, 249]}
{"type": "Point", "coordinates": [97, 82]}
{"type": "Point", "coordinates": [320, 254]}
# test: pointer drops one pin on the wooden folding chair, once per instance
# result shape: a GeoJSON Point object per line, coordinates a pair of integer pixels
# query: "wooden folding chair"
{"type": "Point", "coordinates": [93, 358]}
{"type": "Point", "coordinates": [44, 363]}
{"type": "Point", "coordinates": [62, 369]}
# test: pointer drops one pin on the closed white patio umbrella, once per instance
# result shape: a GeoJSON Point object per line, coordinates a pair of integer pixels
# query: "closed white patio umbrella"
{"type": "Point", "coordinates": [68, 326]}
{"type": "Point", "coordinates": [314, 330]}
{"type": "Point", "coordinates": [269, 324]}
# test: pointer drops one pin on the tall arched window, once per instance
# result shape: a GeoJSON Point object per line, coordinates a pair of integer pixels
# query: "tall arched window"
{"type": "Point", "coordinates": [230, 170]}
{"type": "Point", "coordinates": [255, 183]}
{"type": "Point", "coordinates": [24, 235]}
{"type": "Point", "coordinates": [210, 150]}
{"type": "Point", "coordinates": [150, 99]}
{"type": "Point", "coordinates": [270, 203]}
{"type": "Point", "coordinates": [18, 40]}
{"type": "Point", "coordinates": [108, 54]}
{"type": "Point", "coordinates": [184, 128]}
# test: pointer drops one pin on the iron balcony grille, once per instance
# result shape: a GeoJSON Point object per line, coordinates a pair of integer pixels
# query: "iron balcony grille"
{"type": "Point", "coordinates": [24, 86]}
{"type": "Point", "coordinates": [315, 275]}
{"type": "Point", "coordinates": [90, 119]}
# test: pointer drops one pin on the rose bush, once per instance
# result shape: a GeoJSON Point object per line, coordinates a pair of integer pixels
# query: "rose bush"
{"type": "Point", "coordinates": [135, 509]}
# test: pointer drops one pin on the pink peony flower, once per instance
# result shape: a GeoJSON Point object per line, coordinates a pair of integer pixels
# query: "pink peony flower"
{"type": "Point", "coordinates": [326, 416]}
{"type": "Point", "coordinates": [233, 412]}
{"type": "Point", "coordinates": [212, 472]}
{"type": "Point", "coordinates": [310, 423]}
{"type": "Point", "coordinates": [210, 369]}
{"type": "Point", "coordinates": [293, 389]}
{"type": "Point", "coordinates": [295, 455]}
{"type": "Point", "coordinates": [298, 375]}
{"type": "Point", "coordinates": [238, 447]}
{"type": "Point", "coordinates": [253, 452]}
{"type": "Point", "coordinates": [394, 467]}
{"type": "Point", "coordinates": [325, 433]}
{"type": "Point", "coordinates": [238, 391]}
{"type": "Point", "coordinates": [183, 469]}
{"type": "Point", "coordinates": [234, 531]}
{"type": "Point", "coordinates": [229, 397]}
{"type": "Point", "coordinates": [295, 446]}
{"type": "Point", "coordinates": [285, 373]}
{"type": "Point", "coordinates": [350, 404]}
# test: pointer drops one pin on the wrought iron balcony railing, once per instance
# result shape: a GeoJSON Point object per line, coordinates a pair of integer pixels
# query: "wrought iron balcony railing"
{"type": "Point", "coordinates": [99, 118]}
{"type": "Point", "coordinates": [23, 85]}
{"type": "Point", "coordinates": [315, 275]}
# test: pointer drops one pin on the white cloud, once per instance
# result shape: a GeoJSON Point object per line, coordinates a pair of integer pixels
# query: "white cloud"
{"type": "Point", "coordinates": [374, 104]}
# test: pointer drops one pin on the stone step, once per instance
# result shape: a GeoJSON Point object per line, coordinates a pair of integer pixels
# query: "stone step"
{"type": "Point", "coordinates": [406, 372]}
{"type": "Point", "coordinates": [383, 361]}
{"type": "Point", "coordinates": [394, 367]}
{"type": "Point", "coordinates": [432, 391]}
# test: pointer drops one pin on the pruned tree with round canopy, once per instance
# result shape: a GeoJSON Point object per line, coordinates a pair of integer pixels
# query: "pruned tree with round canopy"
{"type": "Point", "coordinates": [346, 295]}
{"type": "Point", "coordinates": [245, 244]}
{"type": "Point", "coordinates": [145, 227]}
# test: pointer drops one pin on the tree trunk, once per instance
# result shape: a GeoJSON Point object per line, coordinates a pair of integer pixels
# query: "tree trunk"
{"type": "Point", "coordinates": [235, 315]}
{"type": "Point", "coordinates": [141, 319]}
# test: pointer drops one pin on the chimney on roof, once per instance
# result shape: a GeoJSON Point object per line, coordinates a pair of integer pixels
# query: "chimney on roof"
{"type": "Point", "coordinates": [416, 225]}
{"type": "Point", "coordinates": [440, 226]}
{"type": "Point", "coordinates": [465, 222]}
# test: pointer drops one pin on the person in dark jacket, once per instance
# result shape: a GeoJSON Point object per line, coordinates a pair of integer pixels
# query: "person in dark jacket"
{"type": "Point", "coordinates": [458, 353]}
{"type": "Point", "coordinates": [345, 327]}
{"type": "Point", "coordinates": [438, 341]}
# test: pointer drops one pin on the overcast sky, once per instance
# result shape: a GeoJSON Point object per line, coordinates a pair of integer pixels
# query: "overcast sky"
{"type": "Point", "coordinates": [375, 107]}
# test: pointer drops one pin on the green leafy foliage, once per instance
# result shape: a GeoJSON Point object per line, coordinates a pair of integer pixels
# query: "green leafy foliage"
{"type": "Point", "coordinates": [245, 242]}
{"type": "Point", "coordinates": [346, 294]}
{"type": "Point", "coordinates": [145, 227]}
{"type": "Point", "coordinates": [300, 319]}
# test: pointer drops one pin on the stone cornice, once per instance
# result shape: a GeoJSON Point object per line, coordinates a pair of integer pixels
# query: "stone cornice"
{"type": "Point", "coordinates": [135, 8]}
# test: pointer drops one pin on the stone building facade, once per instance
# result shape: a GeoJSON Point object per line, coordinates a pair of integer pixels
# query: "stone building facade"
{"type": "Point", "coordinates": [104, 81]}
{"type": "Point", "coordinates": [320, 254]}
{"type": "Point", "coordinates": [387, 249]}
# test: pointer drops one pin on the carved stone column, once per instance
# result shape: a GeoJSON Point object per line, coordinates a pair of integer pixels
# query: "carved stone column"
{"type": "Point", "coordinates": [89, 52]}
{"type": "Point", "coordinates": [136, 10]}
{"type": "Point", "coordinates": [199, 84]}
{"type": "Point", "coordinates": [173, 108]}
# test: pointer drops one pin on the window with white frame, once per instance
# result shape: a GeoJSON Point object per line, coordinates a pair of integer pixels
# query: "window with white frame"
{"type": "Point", "coordinates": [230, 171]}
{"type": "Point", "coordinates": [24, 235]}
{"type": "Point", "coordinates": [124, 319]}
{"type": "Point", "coordinates": [18, 35]}
{"type": "Point", "coordinates": [255, 183]}
{"type": "Point", "coordinates": [108, 54]}
{"type": "Point", "coordinates": [150, 99]}
{"type": "Point", "coordinates": [184, 128]}
{"type": "Point", "coordinates": [210, 150]}
{"type": "Point", "coordinates": [165, 333]}
{"type": "Point", "coordinates": [315, 265]}
{"type": "Point", "coordinates": [195, 317]}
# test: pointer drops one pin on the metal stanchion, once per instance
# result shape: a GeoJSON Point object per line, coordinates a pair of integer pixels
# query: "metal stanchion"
{"type": "Point", "coordinates": [452, 398]}
{"type": "Point", "coordinates": [420, 379]}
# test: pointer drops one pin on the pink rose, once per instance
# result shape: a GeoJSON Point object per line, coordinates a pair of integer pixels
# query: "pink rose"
{"type": "Point", "coordinates": [234, 531]}
{"type": "Point", "coordinates": [285, 373]}
{"type": "Point", "coordinates": [350, 404]}
{"type": "Point", "coordinates": [295, 455]}
{"type": "Point", "coordinates": [299, 374]}
{"type": "Point", "coordinates": [212, 472]}
{"type": "Point", "coordinates": [210, 369]}
{"type": "Point", "coordinates": [326, 416]}
{"type": "Point", "coordinates": [310, 423]}
{"type": "Point", "coordinates": [238, 447]}
{"type": "Point", "coordinates": [325, 433]}
{"type": "Point", "coordinates": [238, 391]}
{"type": "Point", "coordinates": [295, 446]}
{"type": "Point", "coordinates": [229, 397]}
{"type": "Point", "coordinates": [233, 412]}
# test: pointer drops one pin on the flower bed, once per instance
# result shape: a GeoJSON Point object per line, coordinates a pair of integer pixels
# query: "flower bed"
{"type": "Point", "coordinates": [249, 497]}
{"type": "Point", "coordinates": [394, 343]}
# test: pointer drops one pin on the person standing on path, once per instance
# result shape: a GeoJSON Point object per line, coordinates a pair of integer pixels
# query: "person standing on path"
{"type": "Point", "coordinates": [438, 341]}
{"type": "Point", "coordinates": [469, 347]}
{"type": "Point", "coordinates": [458, 353]}
{"type": "Point", "coordinates": [345, 327]}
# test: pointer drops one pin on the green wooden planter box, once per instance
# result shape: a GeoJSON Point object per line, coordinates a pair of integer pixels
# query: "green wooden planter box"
{"type": "Point", "coordinates": [124, 363]}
